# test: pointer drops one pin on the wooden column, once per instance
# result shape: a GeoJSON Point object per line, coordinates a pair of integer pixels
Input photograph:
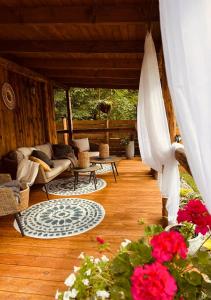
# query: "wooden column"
{"type": "Point", "coordinates": [69, 115]}
{"type": "Point", "coordinates": [167, 98]}
{"type": "Point", "coordinates": [65, 127]}
{"type": "Point", "coordinates": [49, 113]}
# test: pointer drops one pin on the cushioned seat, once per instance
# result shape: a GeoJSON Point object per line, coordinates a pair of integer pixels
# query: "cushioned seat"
{"type": "Point", "coordinates": [83, 145]}
{"type": "Point", "coordinates": [59, 166]}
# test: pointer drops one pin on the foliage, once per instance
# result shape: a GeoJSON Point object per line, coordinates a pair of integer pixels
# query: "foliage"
{"type": "Point", "coordinates": [194, 215]}
{"type": "Point", "coordinates": [190, 181]}
{"type": "Point", "coordinates": [137, 269]}
{"type": "Point", "coordinates": [85, 103]}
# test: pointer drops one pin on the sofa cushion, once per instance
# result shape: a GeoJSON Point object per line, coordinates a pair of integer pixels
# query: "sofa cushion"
{"type": "Point", "coordinates": [46, 148]}
{"type": "Point", "coordinates": [82, 144]}
{"type": "Point", "coordinates": [44, 157]}
{"type": "Point", "coordinates": [59, 166]}
{"type": "Point", "coordinates": [26, 151]}
{"type": "Point", "coordinates": [41, 162]}
{"type": "Point", "coordinates": [61, 151]}
{"type": "Point", "coordinates": [27, 171]}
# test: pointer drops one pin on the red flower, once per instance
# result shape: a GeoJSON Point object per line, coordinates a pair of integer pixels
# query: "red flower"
{"type": "Point", "coordinates": [100, 240]}
{"type": "Point", "coordinates": [195, 212]}
{"type": "Point", "coordinates": [153, 282]}
{"type": "Point", "coordinates": [168, 244]}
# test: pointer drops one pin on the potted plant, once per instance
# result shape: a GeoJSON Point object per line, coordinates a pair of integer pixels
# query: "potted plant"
{"type": "Point", "coordinates": [194, 222]}
{"type": "Point", "coordinates": [104, 106]}
{"type": "Point", "coordinates": [155, 267]}
{"type": "Point", "coordinates": [128, 143]}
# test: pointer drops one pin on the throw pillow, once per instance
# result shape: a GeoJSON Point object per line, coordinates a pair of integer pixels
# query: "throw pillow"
{"type": "Point", "coordinates": [82, 144]}
{"type": "Point", "coordinates": [61, 151]}
{"type": "Point", "coordinates": [41, 162]}
{"type": "Point", "coordinates": [41, 155]}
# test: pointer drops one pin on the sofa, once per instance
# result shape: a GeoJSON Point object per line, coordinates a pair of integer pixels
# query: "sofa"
{"type": "Point", "coordinates": [60, 165]}
{"type": "Point", "coordinates": [14, 158]}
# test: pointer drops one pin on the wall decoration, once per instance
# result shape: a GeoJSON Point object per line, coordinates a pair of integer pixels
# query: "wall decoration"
{"type": "Point", "coordinates": [8, 96]}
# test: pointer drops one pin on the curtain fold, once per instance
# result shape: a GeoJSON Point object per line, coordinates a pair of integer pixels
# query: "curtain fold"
{"type": "Point", "coordinates": [153, 133]}
{"type": "Point", "coordinates": [186, 37]}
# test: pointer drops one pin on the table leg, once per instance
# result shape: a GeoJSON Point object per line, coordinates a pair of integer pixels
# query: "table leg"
{"type": "Point", "coordinates": [90, 177]}
{"type": "Point", "coordinates": [75, 180]}
{"type": "Point", "coordinates": [95, 179]}
{"type": "Point", "coordinates": [112, 165]}
{"type": "Point", "coordinates": [116, 169]}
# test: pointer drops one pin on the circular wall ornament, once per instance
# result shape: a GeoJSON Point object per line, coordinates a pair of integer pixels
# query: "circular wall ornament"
{"type": "Point", "coordinates": [8, 95]}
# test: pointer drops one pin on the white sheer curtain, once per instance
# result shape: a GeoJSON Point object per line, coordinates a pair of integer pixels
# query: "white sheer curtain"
{"type": "Point", "coordinates": [153, 133]}
{"type": "Point", "coordinates": [186, 36]}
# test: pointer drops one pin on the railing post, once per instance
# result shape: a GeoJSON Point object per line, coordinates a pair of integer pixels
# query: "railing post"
{"type": "Point", "coordinates": [65, 135]}
{"type": "Point", "coordinates": [107, 132]}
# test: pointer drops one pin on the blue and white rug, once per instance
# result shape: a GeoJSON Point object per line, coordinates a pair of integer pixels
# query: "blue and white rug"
{"type": "Point", "coordinates": [65, 186]}
{"type": "Point", "coordinates": [105, 168]}
{"type": "Point", "coordinates": [61, 218]}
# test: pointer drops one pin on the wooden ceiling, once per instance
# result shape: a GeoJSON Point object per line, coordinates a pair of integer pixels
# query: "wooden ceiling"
{"type": "Point", "coordinates": [80, 43]}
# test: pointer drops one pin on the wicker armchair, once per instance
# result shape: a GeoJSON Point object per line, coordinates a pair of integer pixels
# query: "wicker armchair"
{"type": "Point", "coordinates": [8, 203]}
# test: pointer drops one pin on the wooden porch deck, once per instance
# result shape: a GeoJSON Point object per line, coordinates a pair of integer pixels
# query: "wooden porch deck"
{"type": "Point", "coordinates": [33, 269]}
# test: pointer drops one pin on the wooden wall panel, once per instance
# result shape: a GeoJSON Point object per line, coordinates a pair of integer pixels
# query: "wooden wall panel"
{"type": "Point", "coordinates": [32, 121]}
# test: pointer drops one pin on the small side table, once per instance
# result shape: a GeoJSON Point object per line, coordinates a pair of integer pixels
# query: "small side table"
{"type": "Point", "coordinates": [112, 160]}
{"type": "Point", "coordinates": [92, 169]}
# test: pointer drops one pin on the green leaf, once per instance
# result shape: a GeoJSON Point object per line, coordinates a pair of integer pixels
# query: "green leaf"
{"type": "Point", "coordinates": [194, 278]}
{"type": "Point", "coordinates": [207, 288]}
{"type": "Point", "coordinates": [121, 264]}
{"type": "Point", "coordinates": [151, 230]}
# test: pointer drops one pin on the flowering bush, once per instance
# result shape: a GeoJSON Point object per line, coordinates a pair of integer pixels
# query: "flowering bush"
{"type": "Point", "coordinates": [157, 267]}
{"type": "Point", "coordinates": [196, 216]}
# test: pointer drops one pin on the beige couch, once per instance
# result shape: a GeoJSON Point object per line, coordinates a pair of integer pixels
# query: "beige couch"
{"type": "Point", "coordinates": [44, 176]}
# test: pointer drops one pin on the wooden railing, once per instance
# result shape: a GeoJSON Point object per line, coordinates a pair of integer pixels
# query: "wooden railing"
{"type": "Point", "coordinates": [100, 131]}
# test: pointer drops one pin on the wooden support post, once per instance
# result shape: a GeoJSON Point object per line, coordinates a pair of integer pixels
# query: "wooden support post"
{"type": "Point", "coordinates": [107, 133]}
{"type": "Point", "coordinates": [167, 98]}
{"type": "Point", "coordinates": [164, 213]}
{"type": "Point", "coordinates": [69, 115]}
{"type": "Point", "coordinates": [65, 135]}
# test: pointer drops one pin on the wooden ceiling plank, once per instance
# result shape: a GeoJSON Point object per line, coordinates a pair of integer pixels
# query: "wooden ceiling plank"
{"type": "Point", "coordinates": [77, 14]}
{"type": "Point", "coordinates": [11, 66]}
{"type": "Point", "coordinates": [15, 46]}
{"type": "Point", "coordinates": [103, 85]}
{"type": "Point", "coordinates": [93, 73]}
{"type": "Point", "coordinates": [59, 64]}
{"type": "Point", "coordinates": [94, 80]}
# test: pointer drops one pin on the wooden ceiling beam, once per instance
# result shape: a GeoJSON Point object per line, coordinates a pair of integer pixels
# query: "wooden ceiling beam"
{"type": "Point", "coordinates": [103, 85]}
{"type": "Point", "coordinates": [81, 63]}
{"type": "Point", "coordinates": [93, 73]}
{"type": "Point", "coordinates": [56, 46]}
{"type": "Point", "coordinates": [93, 80]}
{"type": "Point", "coordinates": [16, 68]}
{"type": "Point", "coordinates": [78, 14]}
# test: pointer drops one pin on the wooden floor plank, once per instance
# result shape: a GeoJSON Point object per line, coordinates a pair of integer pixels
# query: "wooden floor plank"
{"type": "Point", "coordinates": [33, 269]}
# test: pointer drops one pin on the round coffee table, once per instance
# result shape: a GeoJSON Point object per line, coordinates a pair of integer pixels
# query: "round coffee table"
{"type": "Point", "coordinates": [109, 160]}
{"type": "Point", "coordinates": [90, 170]}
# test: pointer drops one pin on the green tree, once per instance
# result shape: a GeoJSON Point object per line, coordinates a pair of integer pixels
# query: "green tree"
{"type": "Point", "coordinates": [85, 103]}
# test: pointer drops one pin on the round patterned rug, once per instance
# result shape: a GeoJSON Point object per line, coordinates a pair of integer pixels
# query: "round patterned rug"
{"type": "Point", "coordinates": [105, 168]}
{"type": "Point", "coordinates": [61, 218]}
{"type": "Point", "coordinates": [65, 186]}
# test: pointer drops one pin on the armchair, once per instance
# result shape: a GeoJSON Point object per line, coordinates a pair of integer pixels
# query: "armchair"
{"type": "Point", "coordinates": [81, 145]}
{"type": "Point", "coordinates": [8, 202]}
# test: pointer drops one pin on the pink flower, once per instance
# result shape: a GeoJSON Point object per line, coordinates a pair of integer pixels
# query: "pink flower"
{"type": "Point", "coordinates": [153, 282]}
{"type": "Point", "coordinates": [195, 212]}
{"type": "Point", "coordinates": [168, 244]}
{"type": "Point", "coordinates": [100, 240]}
